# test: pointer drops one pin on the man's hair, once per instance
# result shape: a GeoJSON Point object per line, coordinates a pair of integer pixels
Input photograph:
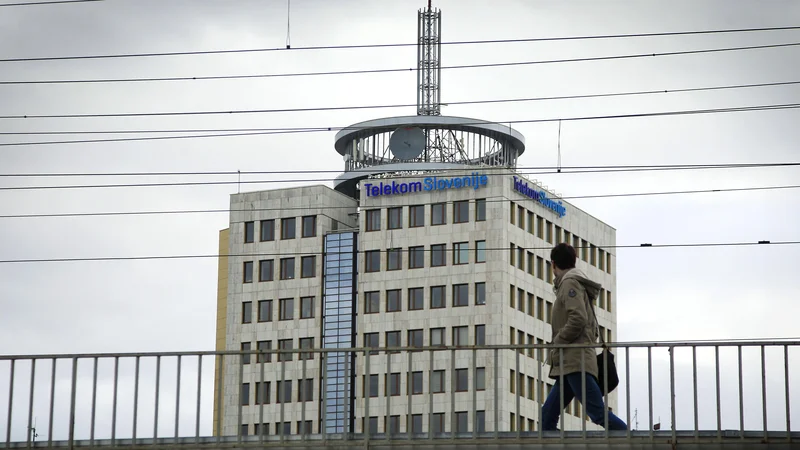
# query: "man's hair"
{"type": "Point", "coordinates": [563, 256]}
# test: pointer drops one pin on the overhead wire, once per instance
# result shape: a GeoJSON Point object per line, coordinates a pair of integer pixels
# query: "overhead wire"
{"type": "Point", "coordinates": [518, 169]}
{"type": "Point", "coordinates": [319, 253]}
{"type": "Point", "coordinates": [410, 44]}
{"type": "Point", "coordinates": [492, 199]}
{"type": "Point", "coordinates": [342, 108]}
{"type": "Point", "coordinates": [295, 130]}
{"type": "Point", "coordinates": [51, 2]}
{"type": "Point", "coordinates": [391, 70]}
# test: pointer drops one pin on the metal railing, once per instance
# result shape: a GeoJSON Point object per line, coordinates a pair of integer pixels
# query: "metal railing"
{"type": "Point", "coordinates": [119, 399]}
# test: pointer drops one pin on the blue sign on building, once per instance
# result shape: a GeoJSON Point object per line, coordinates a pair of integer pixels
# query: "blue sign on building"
{"type": "Point", "coordinates": [539, 196]}
{"type": "Point", "coordinates": [474, 181]}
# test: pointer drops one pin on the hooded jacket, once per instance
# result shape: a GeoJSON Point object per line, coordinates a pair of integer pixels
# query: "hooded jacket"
{"type": "Point", "coordinates": [573, 323]}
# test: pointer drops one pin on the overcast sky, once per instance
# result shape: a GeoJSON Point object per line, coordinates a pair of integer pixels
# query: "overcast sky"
{"type": "Point", "coordinates": [169, 305]}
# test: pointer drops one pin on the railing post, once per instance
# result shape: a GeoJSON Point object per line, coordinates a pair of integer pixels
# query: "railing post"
{"type": "Point", "coordinates": [786, 380]}
{"type": "Point", "coordinates": [221, 385]}
{"type": "Point", "coordinates": [199, 394]}
{"type": "Point", "coordinates": [562, 419]}
{"type": "Point", "coordinates": [135, 399]}
{"type": "Point", "coordinates": [410, 391]}
{"type": "Point", "coordinates": [178, 398]}
{"type": "Point", "coordinates": [694, 390]}
{"type": "Point", "coordinates": [764, 389]}
{"type": "Point", "coordinates": [474, 383]}
{"type": "Point", "coordinates": [430, 395]}
{"type": "Point", "coordinates": [453, 383]}
{"type": "Point", "coordinates": [11, 403]}
{"type": "Point", "coordinates": [719, 397]}
{"type": "Point", "coordinates": [672, 393]}
{"type": "Point", "coordinates": [650, 389]}
{"type": "Point", "coordinates": [72, 403]}
{"type": "Point", "coordinates": [519, 388]}
{"type": "Point", "coordinates": [158, 389]}
{"type": "Point", "coordinates": [496, 382]}
{"type": "Point", "coordinates": [52, 403]}
{"type": "Point", "coordinates": [741, 395]}
{"type": "Point", "coordinates": [388, 387]}
{"type": "Point", "coordinates": [628, 390]}
{"type": "Point", "coordinates": [583, 395]}
{"type": "Point", "coordinates": [367, 394]}
{"type": "Point", "coordinates": [94, 401]}
{"type": "Point", "coordinates": [30, 401]}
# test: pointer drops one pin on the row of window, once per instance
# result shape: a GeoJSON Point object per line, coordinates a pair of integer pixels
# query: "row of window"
{"type": "Point", "coordinates": [416, 215]}
{"type": "Point", "coordinates": [415, 298]}
{"type": "Point", "coordinates": [536, 306]}
{"type": "Point", "coordinates": [283, 344]}
{"type": "Point", "coordinates": [437, 337]}
{"type": "Point", "coordinates": [548, 231]}
{"type": "Point", "coordinates": [416, 256]}
{"type": "Point", "coordinates": [415, 384]}
{"type": "Point", "coordinates": [303, 427]}
{"type": "Point", "coordinates": [517, 337]}
{"type": "Point", "coordinates": [287, 309]}
{"type": "Point", "coordinates": [541, 269]}
{"type": "Point", "coordinates": [283, 392]}
{"type": "Point", "coordinates": [266, 269]}
{"type": "Point", "coordinates": [288, 229]}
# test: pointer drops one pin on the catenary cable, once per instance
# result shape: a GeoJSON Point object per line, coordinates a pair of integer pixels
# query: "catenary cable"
{"type": "Point", "coordinates": [392, 70]}
{"type": "Point", "coordinates": [295, 130]}
{"type": "Point", "coordinates": [492, 199]}
{"type": "Point", "coordinates": [360, 46]}
{"type": "Point", "coordinates": [52, 2]}
{"type": "Point", "coordinates": [273, 181]}
{"type": "Point", "coordinates": [633, 167]}
{"type": "Point", "coordinates": [505, 249]}
{"type": "Point", "coordinates": [342, 108]}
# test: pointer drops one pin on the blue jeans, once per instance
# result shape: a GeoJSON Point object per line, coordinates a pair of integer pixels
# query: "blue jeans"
{"type": "Point", "coordinates": [572, 389]}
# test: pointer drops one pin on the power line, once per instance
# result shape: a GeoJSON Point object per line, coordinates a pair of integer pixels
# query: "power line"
{"type": "Point", "coordinates": [360, 46]}
{"type": "Point", "coordinates": [53, 2]}
{"type": "Point", "coordinates": [633, 167]}
{"type": "Point", "coordinates": [495, 199]}
{"type": "Point", "coordinates": [293, 130]}
{"type": "Point", "coordinates": [341, 108]}
{"type": "Point", "coordinates": [374, 71]}
{"type": "Point", "coordinates": [257, 254]}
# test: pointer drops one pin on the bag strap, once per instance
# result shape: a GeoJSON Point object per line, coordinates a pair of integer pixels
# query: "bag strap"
{"type": "Point", "coordinates": [597, 323]}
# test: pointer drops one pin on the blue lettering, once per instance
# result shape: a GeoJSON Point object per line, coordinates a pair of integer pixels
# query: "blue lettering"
{"type": "Point", "coordinates": [475, 180]}
{"type": "Point", "coordinates": [538, 196]}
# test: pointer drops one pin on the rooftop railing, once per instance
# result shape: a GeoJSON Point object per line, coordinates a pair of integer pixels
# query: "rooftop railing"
{"type": "Point", "coordinates": [706, 391]}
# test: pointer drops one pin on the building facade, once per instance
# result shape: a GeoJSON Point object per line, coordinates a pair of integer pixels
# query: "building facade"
{"type": "Point", "coordinates": [447, 258]}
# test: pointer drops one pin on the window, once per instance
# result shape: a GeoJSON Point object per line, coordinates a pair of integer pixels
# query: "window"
{"type": "Point", "coordinates": [373, 260]}
{"type": "Point", "coordinates": [309, 226]}
{"type": "Point", "coordinates": [461, 421]}
{"type": "Point", "coordinates": [540, 227]}
{"type": "Point", "coordinates": [308, 266]}
{"type": "Point", "coordinates": [540, 267]}
{"type": "Point", "coordinates": [416, 216]}
{"type": "Point", "coordinates": [480, 334]}
{"type": "Point", "coordinates": [461, 211]}
{"type": "Point", "coordinates": [438, 214]}
{"type": "Point", "coordinates": [306, 307]}
{"type": "Point", "coordinates": [268, 230]}
{"type": "Point", "coordinates": [480, 379]}
{"type": "Point", "coordinates": [530, 222]}
{"type": "Point", "coordinates": [415, 424]}
{"type": "Point", "coordinates": [393, 340]}
{"type": "Point", "coordinates": [558, 234]}
{"type": "Point", "coordinates": [372, 340]}
{"type": "Point", "coordinates": [480, 293]}
{"type": "Point", "coordinates": [531, 267]}
{"type": "Point", "coordinates": [437, 337]}
{"type": "Point", "coordinates": [480, 210]}
{"type": "Point", "coordinates": [248, 272]}
{"type": "Point", "coordinates": [549, 275]}
{"type": "Point", "coordinates": [592, 255]}
{"type": "Point", "coordinates": [262, 394]}
{"type": "Point", "coordinates": [307, 342]}
{"type": "Point", "coordinates": [416, 383]}
{"type": "Point", "coordinates": [437, 423]}
{"type": "Point", "coordinates": [392, 384]}
{"type": "Point", "coordinates": [437, 297]}
{"type": "Point", "coordinates": [287, 268]}
{"type": "Point", "coordinates": [530, 305]}
{"type": "Point", "coordinates": [286, 309]}
{"type": "Point", "coordinates": [394, 259]}
{"type": "Point", "coordinates": [460, 336]}
{"type": "Point", "coordinates": [285, 344]}
{"type": "Point", "coordinates": [266, 270]}
{"type": "Point", "coordinates": [373, 387]}
{"type": "Point", "coordinates": [245, 356]}
{"type": "Point", "coordinates": [513, 212]}
{"type": "Point", "coordinates": [521, 217]}
{"type": "Point", "coordinates": [372, 302]}
{"type": "Point", "coordinates": [262, 428]}
{"type": "Point", "coordinates": [395, 218]}
{"type": "Point", "coordinates": [373, 220]}
{"type": "Point", "coordinates": [462, 380]}
{"type": "Point", "coordinates": [480, 251]}
{"type": "Point", "coordinates": [415, 338]}
{"type": "Point", "coordinates": [521, 300]}
{"type": "Point", "coordinates": [288, 228]}
{"type": "Point", "coordinates": [461, 294]}
{"type": "Point", "coordinates": [247, 312]}
{"type": "Point", "coordinates": [416, 257]}
{"type": "Point", "coordinates": [437, 381]}
{"type": "Point", "coordinates": [285, 391]}
{"type": "Point", "coordinates": [540, 308]}
{"type": "Point", "coordinates": [265, 347]}
{"type": "Point", "coordinates": [393, 424]}
{"type": "Point", "coordinates": [244, 429]}
{"type": "Point", "coordinates": [480, 421]}
{"type": "Point", "coordinates": [608, 262]}
{"type": "Point", "coordinates": [305, 391]}
{"type": "Point", "coordinates": [304, 427]}
{"type": "Point", "coordinates": [437, 255]}
{"type": "Point", "coordinates": [416, 299]}
{"type": "Point", "coordinates": [265, 310]}
{"type": "Point", "coordinates": [521, 258]}
{"type": "Point", "coordinates": [245, 394]}
{"type": "Point", "coordinates": [249, 232]}
{"type": "Point", "coordinates": [393, 302]}
{"type": "Point", "coordinates": [461, 253]}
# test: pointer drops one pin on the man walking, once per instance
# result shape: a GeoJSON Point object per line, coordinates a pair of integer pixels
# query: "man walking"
{"type": "Point", "coordinates": [573, 322]}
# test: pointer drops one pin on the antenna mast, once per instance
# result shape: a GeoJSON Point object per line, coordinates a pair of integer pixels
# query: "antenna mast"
{"type": "Point", "coordinates": [428, 69]}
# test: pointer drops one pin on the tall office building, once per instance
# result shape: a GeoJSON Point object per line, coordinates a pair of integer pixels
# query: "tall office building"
{"type": "Point", "coordinates": [428, 238]}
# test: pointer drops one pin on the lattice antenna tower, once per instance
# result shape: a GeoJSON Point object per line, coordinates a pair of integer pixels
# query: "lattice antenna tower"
{"type": "Point", "coordinates": [429, 71]}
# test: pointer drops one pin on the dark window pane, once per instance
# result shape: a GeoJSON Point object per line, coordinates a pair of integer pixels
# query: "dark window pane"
{"type": "Point", "coordinates": [268, 230]}
{"type": "Point", "coordinates": [249, 232]}
{"type": "Point", "coordinates": [309, 226]}
{"type": "Point", "coordinates": [288, 228]}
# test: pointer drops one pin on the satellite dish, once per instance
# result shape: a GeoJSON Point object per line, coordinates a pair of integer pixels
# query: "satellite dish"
{"type": "Point", "coordinates": [407, 142]}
